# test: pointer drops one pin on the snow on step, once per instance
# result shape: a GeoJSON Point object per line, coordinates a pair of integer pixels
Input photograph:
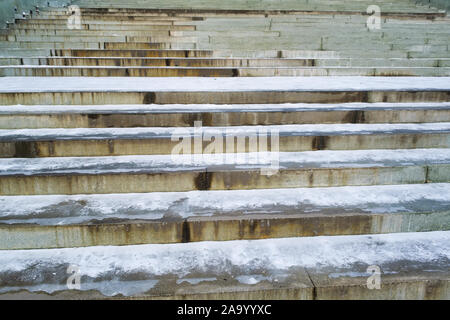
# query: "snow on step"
{"type": "Point", "coordinates": [245, 262]}
{"type": "Point", "coordinates": [282, 130]}
{"type": "Point", "coordinates": [187, 84]}
{"type": "Point", "coordinates": [187, 108]}
{"type": "Point", "coordinates": [61, 209]}
{"type": "Point", "coordinates": [250, 161]}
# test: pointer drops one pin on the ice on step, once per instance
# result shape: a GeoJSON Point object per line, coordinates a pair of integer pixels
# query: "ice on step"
{"type": "Point", "coordinates": [191, 84]}
{"type": "Point", "coordinates": [62, 209]}
{"type": "Point", "coordinates": [245, 131]}
{"type": "Point", "coordinates": [240, 260]}
{"type": "Point", "coordinates": [188, 108]}
{"type": "Point", "coordinates": [250, 161]}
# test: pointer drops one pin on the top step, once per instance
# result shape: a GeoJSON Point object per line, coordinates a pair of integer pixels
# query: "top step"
{"type": "Point", "coordinates": [399, 6]}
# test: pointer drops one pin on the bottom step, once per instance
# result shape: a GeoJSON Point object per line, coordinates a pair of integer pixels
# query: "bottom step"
{"type": "Point", "coordinates": [401, 266]}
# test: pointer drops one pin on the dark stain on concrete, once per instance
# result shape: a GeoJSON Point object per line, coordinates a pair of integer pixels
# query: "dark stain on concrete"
{"type": "Point", "coordinates": [190, 118]}
{"type": "Point", "coordinates": [203, 181]}
{"type": "Point", "coordinates": [25, 149]}
{"type": "Point", "coordinates": [319, 143]}
{"type": "Point", "coordinates": [149, 98]}
{"type": "Point", "coordinates": [111, 146]}
{"type": "Point", "coordinates": [207, 119]}
{"type": "Point", "coordinates": [355, 116]}
{"type": "Point", "coordinates": [186, 232]}
{"type": "Point", "coordinates": [92, 120]}
{"type": "Point", "coordinates": [51, 148]}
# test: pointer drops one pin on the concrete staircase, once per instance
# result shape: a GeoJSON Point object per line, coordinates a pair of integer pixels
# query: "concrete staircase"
{"type": "Point", "coordinates": [284, 151]}
{"type": "Point", "coordinates": [275, 38]}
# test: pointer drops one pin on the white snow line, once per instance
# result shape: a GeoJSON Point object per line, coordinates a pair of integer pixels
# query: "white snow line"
{"type": "Point", "coordinates": [271, 254]}
{"type": "Point", "coordinates": [249, 161]}
{"type": "Point", "coordinates": [183, 108]}
{"type": "Point", "coordinates": [168, 132]}
{"type": "Point", "coordinates": [196, 84]}
{"type": "Point", "coordinates": [82, 208]}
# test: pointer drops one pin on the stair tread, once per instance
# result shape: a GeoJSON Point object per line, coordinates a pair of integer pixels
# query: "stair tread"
{"type": "Point", "coordinates": [245, 131]}
{"type": "Point", "coordinates": [214, 108]}
{"type": "Point", "coordinates": [218, 162]}
{"type": "Point", "coordinates": [298, 84]}
{"type": "Point", "coordinates": [247, 265]}
{"type": "Point", "coordinates": [229, 204]}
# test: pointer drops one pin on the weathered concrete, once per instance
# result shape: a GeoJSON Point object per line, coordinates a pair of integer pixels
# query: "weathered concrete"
{"type": "Point", "coordinates": [175, 71]}
{"type": "Point", "coordinates": [322, 40]}
{"type": "Point", "coordinates": [288, 142]}
{"type": "Point", "coordinates": [216, 228]}
{"type": "Point", "coordinates": [218, 180]}
{"type": "Point", "coordinates": [243, 97]}
{"type": "Point", "coordinates": [57, 117]}
{"type": "Point", "coordinates": [268, 271]}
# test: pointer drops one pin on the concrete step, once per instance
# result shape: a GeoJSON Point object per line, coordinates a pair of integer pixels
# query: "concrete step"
{"type": "Point", "coordinates": [346, 55]}
{"type": "Point", "coordinates": [40, 222]}
{"type": "Point", "coordinates": [113, 38]}
{"type": "Point", "coordinates": [217, 27]}
{"type": "Point", "coordinates": [302, 33]}
{"type": "Point", "coordinates": [179, 173]}
{"type": "Point", "coordinates": [380, 62]}
{"type": "Point", "coordinates": [31, 143]}
{"type": "Point", "coordinates": [132, 53]}
{"type": "Point", "coordinates": [143, 8]}
{"type": "Point", "coordinates": [128, 116]}
{"type": "Point", "coordinates": [32, 28]}
{"type": "Point", "coordinates": [49, 45]}
{"type": "Point", "coordinates": [299, 54]}
{"type": "Point", "coordinates": [263, 7]}
{"type": "Point", "coordinates": [60, 71]}
{"type": "Point", "coordinates": [175, 71]}
{"type": "Point", "coordinates": [97, 20]}
{"type": "Point", "coordinates": [163, 62]}
{"type": "Point", "coordinates": [24, 53]}
{"type": "Point", "coordinates": [297, 268]}
{"type": "Point", "coordinates": [36, 33]}
{"type": "Point", "coordinates": [84, 33]}
{"type": "Point", "coordinates": [222, 62]}
{"type": "Point", "coordinates": [95, 45]}
{"type": "Point", "coordinates": [242, 90]}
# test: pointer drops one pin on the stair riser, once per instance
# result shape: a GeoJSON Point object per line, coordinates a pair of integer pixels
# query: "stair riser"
{"type": "Point", "coordinates": [30, 28]}
{"type": "Point", "coordinates": [15, 237]}
{"type": "Point", "coordinates": [95, 45]}
{"type": "Point", "coordinates": [98, 17]}
{"type": "Point", "coordinates": [227, 180]}
{"type": "Point", "coordinates": [121, 62]}
{"type": "Point", "coordinates": [406, 289]}
{"type": "Point", "coordinates": [118, 147]}
{"type": "Point", "coordinates": [35, 121]}
{"type": "Point", "coordinates": [121, 72]}
{"type": "Point", "coordinates": [247, 97]}
{"type": "Point", "coordinates": [64, 22]}
{"type": "Point", "coordinates": [231, 62]}
{"type": "Point", "coordinates": [133, 53]}
{"type": "Point", "coordinates": [217, 72]}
